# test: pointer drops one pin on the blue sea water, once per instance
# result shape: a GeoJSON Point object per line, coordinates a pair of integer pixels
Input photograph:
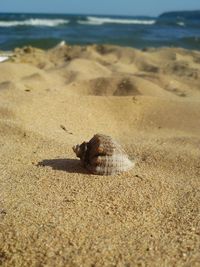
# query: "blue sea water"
{"type": "Point", "coordinates": [174, 29]}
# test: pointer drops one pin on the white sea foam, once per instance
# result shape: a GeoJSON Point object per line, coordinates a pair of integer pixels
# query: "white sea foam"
{"type": "Point", "coordinates": [34, 22]}
{"type": "Point", "coordinates": [3, 58]}
{"type": "Point", "coordinates": [88, 22]}
{"type": "Point", "coordinates": [182, 24]}
{"type": "Point", "coordinates": [100, 21]}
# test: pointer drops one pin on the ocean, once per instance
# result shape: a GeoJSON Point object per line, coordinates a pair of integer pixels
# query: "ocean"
{"type": "Point", "coordinates": [173, 29]}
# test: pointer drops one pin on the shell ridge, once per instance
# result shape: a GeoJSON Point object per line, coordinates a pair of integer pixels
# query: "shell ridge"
{"type": "Point", "coordinates": [104, 156]}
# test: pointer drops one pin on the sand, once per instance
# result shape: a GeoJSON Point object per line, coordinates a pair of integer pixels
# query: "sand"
{"type": "Point", "coordinates": [52, 211]}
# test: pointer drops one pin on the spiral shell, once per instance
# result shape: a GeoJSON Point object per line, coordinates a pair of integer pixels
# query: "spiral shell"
{"type": "Point", "coordinates": [102, 155]}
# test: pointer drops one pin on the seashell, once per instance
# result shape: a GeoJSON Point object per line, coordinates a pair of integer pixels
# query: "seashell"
{"type": "Point", "coordinates": [102, 155]}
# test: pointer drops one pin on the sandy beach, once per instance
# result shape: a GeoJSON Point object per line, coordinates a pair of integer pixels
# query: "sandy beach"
{"type": "Point", "coordinates": [52, 211]}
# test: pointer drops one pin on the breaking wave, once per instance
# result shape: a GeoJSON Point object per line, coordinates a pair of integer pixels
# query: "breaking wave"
{"type": "Point", "coordinates": [34, 22]}
{"type": "Point", "coordinates": [100, 21]}
{"type": "Point", "coordinates": [182, 24]}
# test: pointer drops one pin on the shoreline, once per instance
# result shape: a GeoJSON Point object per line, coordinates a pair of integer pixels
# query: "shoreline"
{"type": "Point", "coordinates": [11, 52]}
{"type": "Point", "coordinates": [133, 31]}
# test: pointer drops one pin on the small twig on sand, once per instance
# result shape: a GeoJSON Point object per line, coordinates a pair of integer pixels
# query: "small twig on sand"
{"type": "Point", "coordinates": [64, 128]}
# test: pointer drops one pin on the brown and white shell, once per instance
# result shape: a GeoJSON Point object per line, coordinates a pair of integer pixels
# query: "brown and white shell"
{"type": "Point", "coordinates": [102, 155]}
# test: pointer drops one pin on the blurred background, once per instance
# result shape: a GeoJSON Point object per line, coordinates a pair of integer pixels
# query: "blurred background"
{"type": "Point", "coordinates": [131, 23]}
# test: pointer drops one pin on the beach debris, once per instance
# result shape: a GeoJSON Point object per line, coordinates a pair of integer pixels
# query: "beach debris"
{"type": "Point", "coordinates": [2, 212]}
{"type": "Point", "coordinates": [104, 156]}
{"type": "Point", "coordinates": [62, 43]}
{"type": "Point", "coordinates": [138, 176]}
{"type": "Point", "coordinates": [64, 128]}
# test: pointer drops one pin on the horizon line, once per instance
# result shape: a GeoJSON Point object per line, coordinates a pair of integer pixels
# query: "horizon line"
{"type": "Point", "coordinates": [95, 14]}
{"type": "Point", "coordinates": [60, 13]}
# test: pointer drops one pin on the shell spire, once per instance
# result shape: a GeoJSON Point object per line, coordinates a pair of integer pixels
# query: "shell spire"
{"type": "Point", "coordinates": [104, 156]}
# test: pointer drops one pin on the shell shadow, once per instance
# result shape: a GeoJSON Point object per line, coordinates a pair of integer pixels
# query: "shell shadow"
{"type": "Point", "coordinates": [67, 165]}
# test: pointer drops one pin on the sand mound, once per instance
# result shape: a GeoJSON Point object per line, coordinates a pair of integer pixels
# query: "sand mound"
{"type": "Point", "coordinates": [7, 85]}
{"type": "Point", "coordinates": [52, 211]}
{"type": "Point", "coordinates": [104, 86]}
{"type": "Point", "coordinates": [123, 85]}
{"type": "Point", "coordinates": [87, 69]}
{"type": "Point", "coordinates": [11, 71]}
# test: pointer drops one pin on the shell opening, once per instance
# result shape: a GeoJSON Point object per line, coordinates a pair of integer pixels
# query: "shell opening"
{"type": "Point", "coordinates": [76, 150]}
